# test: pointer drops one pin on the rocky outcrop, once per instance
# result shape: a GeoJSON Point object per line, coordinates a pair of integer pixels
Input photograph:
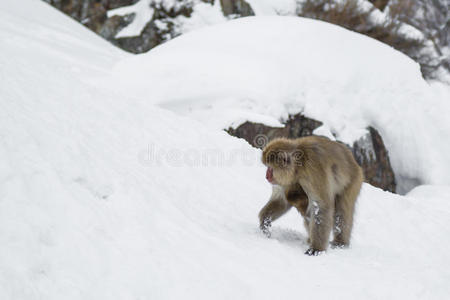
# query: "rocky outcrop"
{"type": "Point", "coordinates": [371, 154]}
{"type": "Point", "coordinates": [238, 8]}
{"type": "Point", "coordinates": [259, 134]}
{"type": "Point", "coordinates": [380, 4]}
{"type": "Point", "coordinates": [113, 25]}
{"type": "Point", "coordinates": [160, 28]}
{"type": "Point", "coordinates": [93, 14]}
{"type": "Point", "coordinates": [369, 151]}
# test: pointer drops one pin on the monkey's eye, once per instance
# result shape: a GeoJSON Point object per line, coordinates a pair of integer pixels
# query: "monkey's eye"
{"type": "Point", "coordinates": [283, 159]}
{"type": "Point", "coordinates": [272, 157]}
{"type": "Point", "coordinates": [279, 158]}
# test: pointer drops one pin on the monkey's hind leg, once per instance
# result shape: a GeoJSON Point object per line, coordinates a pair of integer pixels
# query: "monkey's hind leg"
{"type": "Point", "coordinates": [297, 198]}
{"type": "Point", "coordinates": [343, 217]}
{"type": "Point", "coordinates": [320, 224]}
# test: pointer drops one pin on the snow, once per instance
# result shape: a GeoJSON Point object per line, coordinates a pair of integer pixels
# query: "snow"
{"type": "Point", "coordinates": [108, 195]}
{"type": "Point", "coordinates": [203, 14]}
{"type": "Point", "coordinates": [270, 8]}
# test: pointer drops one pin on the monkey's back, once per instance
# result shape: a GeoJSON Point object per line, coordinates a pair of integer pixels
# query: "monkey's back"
{"type": "Point", "coordinates": [321, 152]}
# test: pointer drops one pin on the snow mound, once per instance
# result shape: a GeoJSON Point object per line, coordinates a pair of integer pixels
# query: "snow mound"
{"type": "Point", "coordinates": [110, 197]}
{"type": "Point", "coordinates": [263, 68]}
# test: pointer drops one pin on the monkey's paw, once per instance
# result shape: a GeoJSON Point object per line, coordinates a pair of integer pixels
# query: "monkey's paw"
{"type": "Point", "coordinates": [265, 227]}
{"type": "Point", "coordinates": [313, 252]}
{"type": "Point", "coordinates": [338, 245]}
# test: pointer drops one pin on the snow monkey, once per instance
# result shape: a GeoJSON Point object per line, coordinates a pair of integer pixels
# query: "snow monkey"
{"type": "Point", "coordinates": [321, 179]}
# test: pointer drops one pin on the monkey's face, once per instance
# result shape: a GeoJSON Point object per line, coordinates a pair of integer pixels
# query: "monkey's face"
{"type": "Point", "coordinates": [280, 166]}
{"type": "Point", "coordinates": [282, 158]}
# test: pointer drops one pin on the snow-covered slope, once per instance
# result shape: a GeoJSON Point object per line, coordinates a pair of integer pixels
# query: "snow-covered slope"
{"type": "Point", "coordinates": [106, 196]}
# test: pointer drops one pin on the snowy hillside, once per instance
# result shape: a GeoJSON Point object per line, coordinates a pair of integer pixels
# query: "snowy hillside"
{"type": "Point", "coordinates": [110, 195]}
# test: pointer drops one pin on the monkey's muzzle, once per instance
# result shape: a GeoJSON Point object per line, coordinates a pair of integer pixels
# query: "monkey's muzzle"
{"type": "Point", "coordinates": [269, 174]}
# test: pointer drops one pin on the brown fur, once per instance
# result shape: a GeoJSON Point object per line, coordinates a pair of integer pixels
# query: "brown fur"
{"type": "Point", "coordinates": [321, 179]}
{"type": "Point", "coordinates": [296, 196]}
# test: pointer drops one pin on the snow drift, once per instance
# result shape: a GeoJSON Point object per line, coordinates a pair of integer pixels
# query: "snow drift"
{"type": "Point", "coordinates": [105, 195]}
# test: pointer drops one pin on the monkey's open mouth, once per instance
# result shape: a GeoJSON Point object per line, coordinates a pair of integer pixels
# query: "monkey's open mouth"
{"type": "Point", "coordinates": [269, 174]}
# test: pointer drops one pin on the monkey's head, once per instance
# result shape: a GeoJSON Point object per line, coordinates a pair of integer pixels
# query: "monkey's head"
{"type": "Point", "coordinates": [282, 158]}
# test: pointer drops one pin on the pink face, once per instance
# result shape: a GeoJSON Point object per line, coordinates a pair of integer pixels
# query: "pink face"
{"type": "Point", "coordinates": [269, 174]}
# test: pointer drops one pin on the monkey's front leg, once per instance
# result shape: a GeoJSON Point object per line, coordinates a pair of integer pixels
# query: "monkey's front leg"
{"type": "Point", "coordinates": [320, 225]}
{"type": "Point", "coordinates": [275, 208]}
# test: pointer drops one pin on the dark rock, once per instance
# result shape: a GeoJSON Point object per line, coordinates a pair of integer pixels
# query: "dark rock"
{"type": "Point", "coordinates": [295, 126]}
{"type": "Point", "coordinates": [380, 4]}
{"type": "Point", "coordinates": [93, 14]}
{"type": "Point", "coordinates": [369, 151]}
{"type": "Point", "coordinates": [114, 24]}
{"type": "Point", "coordinates": [111, 4]}
{"type": "Point", "coordinates": [371, 154]}
{"type": "Point", "coordinates": [150, 37]}
{"type": "Point", "coordinates": [238, 8]}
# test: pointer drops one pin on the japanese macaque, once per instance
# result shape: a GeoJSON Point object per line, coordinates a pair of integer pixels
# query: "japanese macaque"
{"type": "Point", "coordinates": [321, 179]}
